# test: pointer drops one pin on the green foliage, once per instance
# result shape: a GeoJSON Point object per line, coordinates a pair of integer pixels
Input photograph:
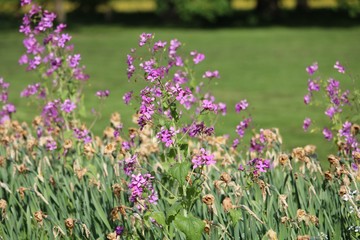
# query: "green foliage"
{"type": "Point", "coordinates": [190, 10]}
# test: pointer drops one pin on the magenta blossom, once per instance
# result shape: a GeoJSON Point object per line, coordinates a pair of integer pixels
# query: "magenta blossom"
{"type": "Point", "coordinates": [127, 97]}
{"type": "Point", "coordinates": [307, 99]}
{"type": "Point", "coordinates": [339, 67]}
{"type": "Point", "coordinates": [68, 106]}
{"type": "Point", "coordinates": [198, 57]}
{"type": "Point", "coordinates": [242, 105]}
{"type": "Point", "coordinates": [307, 123]}
{"type": "Point", "coordinates": [203, 158]}
{"type": "Point", "coordinates": [209, 74]}
{"type": "Point", "coordinates": [312, 69]}
{"type": "Point", "coordinates": [103, 94]}
{"type": "Point", "coordinates": [327, 134]}
{"type": "Point", "coordinates": [144, 37]}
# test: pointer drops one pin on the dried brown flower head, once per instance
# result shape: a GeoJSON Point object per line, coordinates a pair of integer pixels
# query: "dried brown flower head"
{"type": "Point", "coordinates": [208, 199]}
{"type": "Point", "coordinates": [301, 215]}
{"type": "Point", "coordinates": [69, 223]}
{"type": "Point", "coordinates": [355, 129]}
{"type": "Point", "coordinates": [114, 214]}
{"type": "Point", "coordinates": [188, 179]}
{"type": "Point", "coordinates": [80, 172]}
{"type": "Point", "coordinates": [283, 159]}
{"type": "Point", "coordinates": [68, 144]}
{"type": "Point", "coordinates": [284, 219]}
{"type": "Point", "coordinates": [111, 236]}
{"type": "Point", "coordinates": [303, 237]}
{"type": "Point", "coordinates": [122, 210]}
{"type": "Point", "coordinates": [22, 168]}
{"type": "Point", "coordinates": [109, 132]}
{"type": "Point", "coordinates": [115, 119]}
{"type": "Point", "coordinates": [39, 217]}
{"type": "Point", "coordinates": [309, 149]}
{"type": "Point", "coordinates": [342, 190]}
{"type": "Point", "coordinates": [282, 202]}
{"type": "Point", "coordinates": [2, 161]}
{"type": "Point", "coordinates": [3, 205]}
{"type": "Point", "coordinates": [117, 189]}
{"type": "Point", "coordinates": [271, 234]}
{"type": "Point", "coordinates": [225, 177]}
{"type": "Point", "coordinates": [328, 175]}
{"type": "Point", "coordinates": [109, 148]}
{"type": "Point", "coordinates": [314, 220]}
{"type": "Point", "coordinates": [21, 191]}
{"type": "Point", "coordinates": [52, 181]}
{"type": "Point", "coordinates": [207, 226]}
{"type": "Point", "coordinates": [227, 204]}
{"type": "Point", "coordinates": [333, 160]}
{"type": "Point", "coordinates": [88, 150]}
{"type": "Point", "coordinates": [298, 153]}
{"type": "Point", "coordinates": [357, 156]}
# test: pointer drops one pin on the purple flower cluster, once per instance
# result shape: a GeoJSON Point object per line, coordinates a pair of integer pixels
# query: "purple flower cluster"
{"type": "Point", "coordinates": [208, 104]}
{"type": "Point", "coordinates": [174, 45]}
{"type": "Point", "coordinates": [103, 93]}
{"type": "Point", "coordinates": [159, 45]}
{"type": "Point", "coordinates": [209, 74]}
{"type": "Point", "coordinates": [144, 38]}
{"type": "Point", "coordinates": [82, 135]}
{"type": "Point", "coordinates": [352, 143]}
{"type": "Point", "coordinates": [129, 164]}
{"type": "Point", "coordinates": [257, 143]}
{"type": "Point", "coordinates": [166, 135]}
{"type": "Point", "coordinates": [147, 107]}
{"type": "Point", "coordinates": [312, 69]}
{"type": "Point", "coordinates": [50, 113]}
{"type": "Point", "coordinates": [339, 67]}
{"type": "Point", "coordinates": [45, 52]}
{"type": "Point", "coordinates": [198, 129]}
{"type": "Point", "coordinates": [68, 106]}
{"type": "Point", "coordinates": [131, 68]}
{"type": "Point", "coordinates": [243, 125]}
{"type": "Point", "coordinates": [306, 124]}
{"type": "Point", "coordinates": [197, 57]}
{"type": "Point", "coordinates": [327, 134]}
{"type": "Point", "coordinates": [259, 165]}
{"type": "Point", "coordinates": [51, 145]}
{"type": "Point", "coordinates": [180, 77]}
{"type": "Point", "coordinates": [203, 158]}
{"type": "Point", "coordinates": [242, 105]}
{"type": "Point", "coordinates": [33, 89]}
{"type": "Point", "coordinates": [7, 108]}
{"type": "Point", "coordinates": [183, 95]}
{"type": "Point", "coordinates": [141, 188]}
{"type": "Point", "coordinates": [127, 97]}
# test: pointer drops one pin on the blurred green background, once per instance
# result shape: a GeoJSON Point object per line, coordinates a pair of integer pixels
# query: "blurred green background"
{"type": "Point", "coordinates": [260, 51]}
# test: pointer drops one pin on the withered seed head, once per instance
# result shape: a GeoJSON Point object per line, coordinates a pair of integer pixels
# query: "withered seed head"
{"type": "Point", "coordinates": [117, 189]}
{"type": "Point", "coordinates": [334, 161]}
{"type": "Point", "coordinates": [303, 237]}
{"type": "Point", "coordinates": [69, 223]}
{"type": "Point", "coordinates": [111, 236]}
{"type": "Point", "coordinates": [208, 199]}
{"type": "Point", "coordinates": [68, 144]}
{"type": "Point", "coordinates": [225, 177]}
{"type": "Point", "coordinates": [328, 175]}
{"type": "Point", "coordinates": [21, 191]}
{"type": "Point", "coordinates": [342, 190]}
{"type": "Point", "coordinates": [207, 226]}
{"type": "Point", "coordinates": [283, 159]}
{"type": "Point", "coordinates": [227, 204]}
{"type": "Point", "coordinates": [39, 217]}
{"type": "Point", "coordinates": [355, 129]}
{"type": "Point", "coordinates": [309, 149]}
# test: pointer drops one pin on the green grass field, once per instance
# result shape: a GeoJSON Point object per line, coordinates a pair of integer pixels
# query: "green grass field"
{"type": "Point", "coordinates": [264, 65]}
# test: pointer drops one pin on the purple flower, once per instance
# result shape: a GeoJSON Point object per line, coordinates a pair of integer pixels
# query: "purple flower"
{"type": "Point", "coordinates": [131, 68]}
{"type": "Point", "coordinates": [307, 123]}
{"type": "Point", "coordinates": [180, 77]}
{"type": "Point", "coordinates": [222, 107]}
{"type": "Point", "coordinates": [141, 188]}
{"type": "Point", "coordinates": [144, 37]}
{"type": "Point", "coordinates": [103, 94]}
{"type": "Point", "coordinates": [166, 135]}
{"type": "Point", "coordinates": [307, 98]}
{"type": "Point", "coordinates": [339, 67]}
{"type": "Point", "coordinates": [82, 135]}
{"type": "Point", "coordinates": [259, 164]}
{"type": "Point", "coordinates": [242, 105]}
{"type": "Point", "coordinates": [209, 74]}
{"type": "Point", "coordinates": [354, 166]}
{"type": "Point", "coordinates": [243, 125]}
{"type": "Point", "coordinates": [73, 61]}
{"type": "Point", "coordinates": [25, 2]}
{"type": "Point", "coordinates": [174, 45]}
{"type": "Point", "coordinates": [330, 112]}
{"type": "Point", "coordinates": [235, 143]}
{"type": "Point", "coordinates": [209, 105]}
{"type": "Point", "coordinates": [313, 86]}
{"type": "Point", "coordinates": [312, 69]}
{"type": "Point", "coordinates": [68, 106]}
{"type": "Point", "coordinates": [159, 45]}
{"type": "Point", "coordinates": [9, 108]}
{"type": "Point", "coordinates": [127, 97]}
{"type": "Point", "coordinates": [241, 167]}
{"type": "Point", "coordinates": [129, 164]}
{"type": "Point", "coordinates": [327, 134]}
{"type": "Point", "coordinates": [345, 131]}
{"type": "Point", "coordinates": [30, 90]}
{"type": "Point", "coordinates": [198, 57]}
{"type": "Point", "coordinates": [119, 230]}
{"type": "Point", "coordinates": [51, 145]}
{"type": "Point", "coordinates": [203, 158]}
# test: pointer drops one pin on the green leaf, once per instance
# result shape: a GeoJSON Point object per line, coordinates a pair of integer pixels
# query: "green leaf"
{"type": "Point", "coordinates": [179, 171]}
{"type": "Point", "coordinates": [172, 211]}
{"type": "Point", "coordinates": [235, 216]}
{"type": "Point", "coordinates": [100, 212]}
{"type": "Point", "coordinates": [191, 226]}
{"type": "Point", "coordinates": [159, 217]}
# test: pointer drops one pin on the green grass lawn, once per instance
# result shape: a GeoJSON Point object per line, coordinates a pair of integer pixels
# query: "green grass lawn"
{"type": "Point", "coordinates": [264, 65]}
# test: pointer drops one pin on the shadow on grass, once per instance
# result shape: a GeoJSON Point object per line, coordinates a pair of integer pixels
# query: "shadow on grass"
{"type": "Point", "coordinates": [322, 18]}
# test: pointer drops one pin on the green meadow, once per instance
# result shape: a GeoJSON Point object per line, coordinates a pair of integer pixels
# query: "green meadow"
{"type": "Point", "coordinates": [264, 65]}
